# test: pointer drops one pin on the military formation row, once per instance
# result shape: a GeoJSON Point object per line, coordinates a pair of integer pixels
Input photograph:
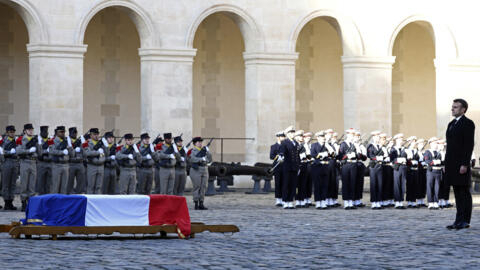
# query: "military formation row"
{"type": "Point", "coordinates": [397, 167]}
{"type": "Point", "coordinates": [95, 164]}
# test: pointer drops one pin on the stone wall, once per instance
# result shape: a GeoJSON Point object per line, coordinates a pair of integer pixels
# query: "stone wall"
{"type": "Point", "coordinates": [319, 77]}
{"type": "Point", "coordinates": [14, 94]}
{"type": "Point", "coordinates": [219, 85]}
{"type": "Point", "coordinates": [413, 82]}
{"type": "Point", "coordinates": [112, 74]}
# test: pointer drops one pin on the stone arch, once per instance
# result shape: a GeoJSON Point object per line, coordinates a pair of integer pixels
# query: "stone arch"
{"type": "Point", "coordinates": [352, 41]}
{"type": "Point", "coordinates": [252, 34]}
{"type": "Point", "coordinates": [37, 32]}
{"type": "Point", "coordinates": [141, 19]}
{"type": "Point", "coordinates": [444, 41]}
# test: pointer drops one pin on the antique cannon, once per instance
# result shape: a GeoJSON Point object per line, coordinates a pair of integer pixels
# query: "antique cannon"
{"type": "Point", "coordinates": [224, 173]}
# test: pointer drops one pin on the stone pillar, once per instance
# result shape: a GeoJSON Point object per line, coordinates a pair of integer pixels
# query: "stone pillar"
{"type": "Point", "coordinates": [269, 100]}
{"type": "Point", "coordinates": [457, 78]}
{"type": "Point", "coordinates": [367, 96]}
{"type": "Point", "coordinates": [166, 89]}
{"type": "Point", "coordinates": [56, 85]}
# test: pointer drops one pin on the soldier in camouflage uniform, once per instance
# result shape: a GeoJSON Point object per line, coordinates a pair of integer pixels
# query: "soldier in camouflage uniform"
{"type": "Point", "coordinates": [127, 159]}
{"type": "Point", "coordinates": [180, 167]}
{"type": "Point", "coordinates": [60, 153]}
{"type": "Point", "coordinates": [199, 157]}
{"type": "Point", "coordinates": [9, 168]}
{"type": "Point", "coordinates": [27, 152]}
{"type": "Point", "coordinates": [76, 168]}
{"type": "Point", "coordinates": [95, 155]}
{"type": "Point", "coordinates": [44, 166]}
{"type": "Point", "coordinates": [110, 179]}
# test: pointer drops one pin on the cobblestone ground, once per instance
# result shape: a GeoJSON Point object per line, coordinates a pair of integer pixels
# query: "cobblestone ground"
{"type": "Point", "coordinates": [270, 238]}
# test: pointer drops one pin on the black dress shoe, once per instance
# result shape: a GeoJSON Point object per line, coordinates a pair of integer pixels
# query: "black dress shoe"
{"type": "Point", "coordinates": [462, 225]}
{"type": "Point", "coordinates": [451, 227]}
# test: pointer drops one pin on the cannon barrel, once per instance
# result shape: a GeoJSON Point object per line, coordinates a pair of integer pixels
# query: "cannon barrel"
{"type": "Point", "coordinates": [228, 169]}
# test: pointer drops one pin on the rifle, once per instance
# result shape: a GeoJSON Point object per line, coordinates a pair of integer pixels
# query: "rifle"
{"type": "Point", "coordinates": [188, 144]}
{"type": "Point", "coordinates": [341, 139]}
{"type": "Point", "coordinates": [33, 142]}
{"type": "Point", "coordinates": [367, 140]}
{"type": "Point", "coordinates": [203, 152]}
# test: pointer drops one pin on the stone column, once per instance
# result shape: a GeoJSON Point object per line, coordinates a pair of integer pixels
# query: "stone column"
{"type": "Point", "coordinates": [166, 89]}
{"type": "Point", "coordinates": [56, 85]}
{"type": "Point", "coordinates": [367, 96]}
{"type": "Point", "coordinates": [457, 78]}
{"type": "Point", "coordinates": [269, 100]}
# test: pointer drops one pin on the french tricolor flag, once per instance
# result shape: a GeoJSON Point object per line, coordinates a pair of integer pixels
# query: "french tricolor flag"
{"type": "Point", "coordinates": [109, 210]}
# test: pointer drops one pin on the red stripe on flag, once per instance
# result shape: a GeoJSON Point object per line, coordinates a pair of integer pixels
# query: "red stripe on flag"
{"type": "Point", "coordinates": [170, 210]}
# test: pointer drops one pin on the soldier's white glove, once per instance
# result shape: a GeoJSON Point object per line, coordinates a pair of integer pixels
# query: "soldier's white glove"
{"type": "Point", "coordinates": [437, 162]}
{"type": "Point", "coordinates": [401, 160]}
{"type": "Point", "coordinates": [148, 156]}
{"type": "Point", "coordinates": [172, 156]}
{"type": "Point", "coordinates": [65, 152]}
{"type": "Point", "coordinates": [182, 158]}
{"type": "Point", "coordinates": [204, 158]}
{"type": "Point", "coordinates": [100, 150]}
{"type": "Point", "coordinates": [77, 149]}
{"type": "Point", "coordinates": [206, 148]}
{"type": "Point", "coordinates": [414, 162]}
{"type": "Point", "coordinates": [112, 157]}
{"type": "Point", "coordinates": [130, 156]}
{"type": "Point", "coordinates": [280, 158]}
{"type": "Point", "coordinates": [1, 151]}
{"type": "Point", "coordinates": [48, 150]}
{"type": "Point", "coordinates": [379, 158]}
{"type": "Point", "coordinates": [351, 155]}
{"type": "Point", "coordinates": [13, 151]}
{"type": "Point", "coordinates": [387, 159]}
{"type": "Point", "coordinates": [32, 149]}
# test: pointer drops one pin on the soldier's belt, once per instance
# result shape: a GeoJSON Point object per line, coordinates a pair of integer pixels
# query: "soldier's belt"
{"type": "Point", "coordinates": [352, 161]}
{"type": "Point", "coordinates": [414, 168]}
{"type": "Point", "coordinates": [324, 162]}
{"type": "Point", "coordinates": [61, 162]}
{"type": "Point", "coordinates": [436, 168]}
{"type": "Point", "coordinates": [76, 161]}
{"type": "Point", "coordinates": [145, 167]}
{"type": "Point", "coordinates": [28, 158]}
{"type": "Point", "coordinates": [95, 164]}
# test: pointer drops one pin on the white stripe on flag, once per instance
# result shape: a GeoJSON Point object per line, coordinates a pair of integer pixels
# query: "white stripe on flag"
{"type": "Point", "coordinates": [117, 210]}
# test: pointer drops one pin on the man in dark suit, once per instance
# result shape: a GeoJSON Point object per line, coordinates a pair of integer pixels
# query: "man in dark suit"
{"type": "Point", "coordinates": [460, 138]}
{"type": "Point", "coordinates": [288, 152]}
{"type": "Point", "coordinates": [278, 172]}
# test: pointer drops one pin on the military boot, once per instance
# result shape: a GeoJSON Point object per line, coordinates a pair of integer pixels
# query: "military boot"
{"type": "Point", "coordinates": [24, 206]}
{"type": "Point", "coordinates": [196, 205]}
{"type": "Point", "coordinates": [201, 206]}
{"type": "Point", "coordinates": [9, 205]}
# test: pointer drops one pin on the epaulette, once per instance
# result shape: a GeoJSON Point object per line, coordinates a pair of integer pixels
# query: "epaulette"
{"type": "Point", "coordinates": [19, 140]}
{"type": "Point", "coordinates": [119, 147]}
{"type": "Point", "coordinates": [189, 153]}
{"type": "Point", "coordinates": [158, 147]}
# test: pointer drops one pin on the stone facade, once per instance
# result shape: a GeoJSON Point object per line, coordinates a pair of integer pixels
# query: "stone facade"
{"type": "Point", "coordinates": [238, 68]}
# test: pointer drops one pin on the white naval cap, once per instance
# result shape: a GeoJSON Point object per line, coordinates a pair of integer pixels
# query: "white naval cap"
{"type": "Point", "coordinates": [329, 130]}
{"type": "Point", "coordinates": [411, 138]}
{"type": "Point", "coordinates": [441, 141]}
{"type": "Point", "coordinates": [307, 134]}
{"type": "Point", "coordinates": [350, 130]}
{"type": "Point", "coordinates": [398, 136]}
{"type": "Point", "coordinates": [432, 139]}
{"type": "Point", "coordinates": [420, 140]}
{"type": "Point", "coordinates": [383, 135]}
{"type": "Point", "coordinates": [357, 133]}
{"type": "Point", "coordinates": [280, 134]}
{"type": "Point", "coordinates": [335, 134]}
{"type": "Point", "coordinates": [289, 129]}
{"type": "Point", "coordinates": [321, 133]}
{"type": "Point", "coordinates": [299, 132]}
{"type": "Point", "coordinates": [375, 132]}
